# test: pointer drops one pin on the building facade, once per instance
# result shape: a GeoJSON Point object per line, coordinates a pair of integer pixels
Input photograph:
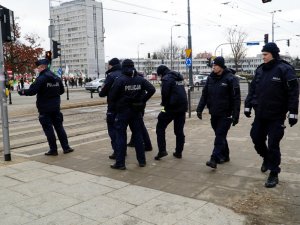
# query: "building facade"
{"type": "Point", "coordinates": [247, 65]}
{"type": "Point", "coordinates": [78, 27]}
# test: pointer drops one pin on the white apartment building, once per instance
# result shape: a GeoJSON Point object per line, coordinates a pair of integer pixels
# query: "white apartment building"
{"type": "Point", "coordinates": [78, 26]}
{"type": "Point", "coordinates": [248, 65]}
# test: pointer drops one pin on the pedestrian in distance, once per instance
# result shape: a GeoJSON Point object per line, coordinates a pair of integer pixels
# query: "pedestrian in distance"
{"type": "Point", "coordinates": [273, 94]}
{"type": "Point", "coordinates": [114, 71]}
{"type": "Point", "coordinates": [22, 82]}
{"type": "Point", "coordinates": [175, 104]}
{"type": "Point", "coordinates": [129, 93]}
{"type": "Point", "coordinates": [221, 95]}
{"type": "Point", "coordinates": [48, 87]}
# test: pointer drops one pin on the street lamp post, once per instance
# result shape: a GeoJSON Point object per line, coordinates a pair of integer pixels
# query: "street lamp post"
{"type": "Point", "coordinates": [273, 12]}
{"type": "Point", "coordinates": [139, 55]}
{"type": "Point", "coordinates": [175, 25]}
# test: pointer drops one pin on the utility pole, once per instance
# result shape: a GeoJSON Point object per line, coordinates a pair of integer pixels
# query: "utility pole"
{"type": "Point", "coordinates": [96, 39]}
{"type": "Point", "coordinates": [3, 100]}
{"type": "Point", "coordinates": [190, 47]}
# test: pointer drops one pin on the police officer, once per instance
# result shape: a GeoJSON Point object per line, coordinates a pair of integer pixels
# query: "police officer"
{"type": "Point", "coordinates": [221, 94]}
{"type": "Point", "coordinates": [48, 87]}
{"type": "Point", "coordinates": [145, 134]}
{"type": "Point", "coordinates": [273, 93]}
{"type": "Point", "coordinates": [113, 72]}
{"type": "Point", "coordinates": [174, 102]}
{"type": "Point", "coordinates": [129, 93]}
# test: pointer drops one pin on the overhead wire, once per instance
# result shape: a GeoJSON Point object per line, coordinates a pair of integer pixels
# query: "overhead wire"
{"type": "Point", "coordinates": [213, 22]}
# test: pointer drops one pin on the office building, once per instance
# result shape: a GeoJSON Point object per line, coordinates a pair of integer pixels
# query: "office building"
{"type": "Point", "coordinates": [78, 26]}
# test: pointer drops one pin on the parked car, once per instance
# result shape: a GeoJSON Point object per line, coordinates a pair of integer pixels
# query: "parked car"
{"type": "Point", "coordinates": [198, 78]}
{"type": "Point", "coordinates": [203, 81]}
{"type": "Point", "coordinates": [94, 85]}
{"type": "Point", "coordinates": [240, 77]}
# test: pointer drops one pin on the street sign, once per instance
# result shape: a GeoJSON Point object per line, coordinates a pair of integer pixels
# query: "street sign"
{"type": "Point", "coordinates": [188, 62]}
{"type": "Point", "coordinates": [188, 52]}
{"type": "Point", "coordinates": [253, 43]}
{"type": "Point", "coordinates": [59, 71]}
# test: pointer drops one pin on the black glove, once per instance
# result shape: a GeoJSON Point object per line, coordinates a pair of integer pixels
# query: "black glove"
{"type": "Point", "coordinates": [247, 114]}
{"type": "Point", "coordinates": [199, 114]}
{"type": "Point", "coordinates": [292, 121]}
{"type": "Point", "coordinates": [235, 121]}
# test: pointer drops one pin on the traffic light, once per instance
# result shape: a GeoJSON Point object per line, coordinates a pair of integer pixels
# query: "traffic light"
{"type": "Point", "coordinates": [7, 24]}
{"type": "Point", "coordinates": [56, 49]}
{"type": "Point", "coordinates": [288, 42]}
{"type": "Point", "coordinates": [265, 1]}
{"type": "Point", "coordinates": [266, 38]}
{"type": "Point", "coordinates": [208, 62]}
{"type": "Point", "coordinates": [48, 56]}
{"type": "Point", "coordinates": [149, 55]}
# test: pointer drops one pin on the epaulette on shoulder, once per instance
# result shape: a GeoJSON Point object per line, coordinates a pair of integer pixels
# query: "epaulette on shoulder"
{"type": "Point", "coordinates": [286, 63]}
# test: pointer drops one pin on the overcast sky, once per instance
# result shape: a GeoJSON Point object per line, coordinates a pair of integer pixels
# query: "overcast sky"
{"type": "Point", "coordinates": [152, 26]}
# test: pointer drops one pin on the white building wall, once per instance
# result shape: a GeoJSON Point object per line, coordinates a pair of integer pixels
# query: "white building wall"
{"type": "Point", "coordinates": [80, 24]}
{"type": "Point", "coordinates": [248, 65]}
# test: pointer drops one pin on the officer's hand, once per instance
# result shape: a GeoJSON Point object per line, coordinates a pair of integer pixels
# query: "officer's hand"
{"type": "Point", "coordinates": [235, 121]}
{"type": "Point", "coordinates": [21, 92]}
{"type": "Point", "coordinates": [199, 114]}
{"type": "Point", "coordinates": [247, 114]}
{"type": "Point", "coordinates": [292, 121]}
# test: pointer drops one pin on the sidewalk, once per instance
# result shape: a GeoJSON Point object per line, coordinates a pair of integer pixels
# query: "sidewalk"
{"type": "Point", "coordinates": [36, 193]}
{"type": "Point", "coordinates": [170, 191]}
{"type": "Point", "coordinates": [237, 185]}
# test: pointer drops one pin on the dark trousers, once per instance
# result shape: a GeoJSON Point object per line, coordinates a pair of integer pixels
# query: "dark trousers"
{"type": "Point", "coordinates": [110, 120]}
{"type": "Point", "coordinates": [121, 124]}
{"type": "Point", "coordinates": [145, 134]}
{"type": "Point", "coordinates": [268, 131]}
{"type": "Point", "coordinates": [164, 118]}
{"type": "Point", "coordinates": [220, 125]}
{"type": "Point", "coordinates": [50, 120]}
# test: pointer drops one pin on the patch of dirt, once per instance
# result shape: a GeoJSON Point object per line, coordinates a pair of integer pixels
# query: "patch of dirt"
{"type": "Point", "coordinates": [262, 207]}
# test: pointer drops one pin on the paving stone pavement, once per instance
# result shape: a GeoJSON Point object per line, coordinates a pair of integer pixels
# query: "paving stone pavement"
{"type": "Point", "coordinates": [35, 193]}
{"type": "Point", "coordinates": [237, 185]}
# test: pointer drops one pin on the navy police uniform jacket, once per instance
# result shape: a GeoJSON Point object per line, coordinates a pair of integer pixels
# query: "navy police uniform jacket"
{"type": "Point", "coordinates": [221, 94]}
{"type": "Point", "coordinates": [274, 91]}
{"type": "Point", "coordinates": [173, 95]}
{"type": "Point", "coordinates": [48, 87]}
{"type": "Point", "coordinates": [131, 92]}
{"type": "Point", "coordinates": [112, 75]}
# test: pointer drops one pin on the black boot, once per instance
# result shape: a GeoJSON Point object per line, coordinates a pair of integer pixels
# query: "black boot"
{"type": "Point", "coordinates": [130, 144]}
{"type": "Point", "coordinates": [51, 152]}
{"type": "Point", "coordinates": [117, 167]}
{"type": "Point", "coordinates": [160, 155]}
{"type": "Point", "coordinates": [272, 180]}
{"type": "Point", "coordinates": [177, 155]}
{"type": "Point", "coordinates": [212, 163]}
{"type": "Point", "coordinates": [264, 167]}
{"type": "Point", "coordinates": [68, 150]}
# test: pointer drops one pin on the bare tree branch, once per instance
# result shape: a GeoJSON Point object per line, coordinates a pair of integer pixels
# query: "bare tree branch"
{"type": "Point", "coordinates": [236, 38]}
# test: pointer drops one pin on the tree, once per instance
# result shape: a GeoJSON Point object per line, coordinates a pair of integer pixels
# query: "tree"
{"type": "Point", "coordinates": [165, 51]}
{"type": "Point", "coordinates": [236, 38]}
{"type": "Point", "coordinates": [19, 57]}
{"type": "Point", "coordinates": [296, 62]}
